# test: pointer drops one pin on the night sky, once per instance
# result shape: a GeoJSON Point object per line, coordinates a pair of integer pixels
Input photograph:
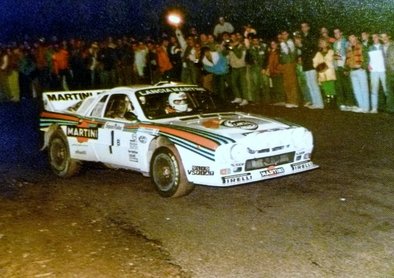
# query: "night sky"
{"type": "Point", "coordinates": [99, 18]}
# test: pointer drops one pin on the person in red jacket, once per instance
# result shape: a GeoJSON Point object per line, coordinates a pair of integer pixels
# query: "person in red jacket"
{"type": "Point", "coordinates": [274, 72]}
{"type": "Point", "coordinates": [163, 60]}
{"type": "Point", "coordinates": [60, 68]}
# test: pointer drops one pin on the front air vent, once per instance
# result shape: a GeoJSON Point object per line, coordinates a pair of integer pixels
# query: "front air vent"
{"type": "Point", "coordinates": [264, 162]}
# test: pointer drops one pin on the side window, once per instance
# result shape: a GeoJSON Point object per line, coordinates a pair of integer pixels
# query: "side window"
{"type": "Point", "coordinates": [117, 106]}
{"type": "Point", "coordinates": [98, 109]}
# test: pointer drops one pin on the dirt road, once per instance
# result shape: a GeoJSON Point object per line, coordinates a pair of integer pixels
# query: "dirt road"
{"type": "Point", "coordinates": [337, 221]}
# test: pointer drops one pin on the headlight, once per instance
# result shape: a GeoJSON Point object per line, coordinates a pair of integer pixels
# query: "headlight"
{"type": "Point", "coordinates": [237, 152]}
{"type": "Point", "coordinates": [302, 138]}
{"type": "Point", "coordinates": [308, 139]}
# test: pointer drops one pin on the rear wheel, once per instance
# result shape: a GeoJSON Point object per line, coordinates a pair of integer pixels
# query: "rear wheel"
{"type": "Point", "coordinates": [168, 174]}
{"type": "Point", "coordinates": [59, 156]}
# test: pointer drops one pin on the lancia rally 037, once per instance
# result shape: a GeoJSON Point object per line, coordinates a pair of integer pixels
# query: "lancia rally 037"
{"type": "Point", "coordinates": [176, 134]}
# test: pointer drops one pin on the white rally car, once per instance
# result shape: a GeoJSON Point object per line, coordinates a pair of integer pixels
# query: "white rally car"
{"type": "Point", "coordinates": [174, 133]}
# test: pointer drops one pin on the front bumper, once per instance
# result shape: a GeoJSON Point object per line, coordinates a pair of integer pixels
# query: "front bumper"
{"type": "Point", "coordinates": [222, 179]}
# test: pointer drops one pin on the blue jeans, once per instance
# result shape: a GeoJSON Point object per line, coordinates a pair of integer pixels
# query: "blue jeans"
{"type": "Point", "coordinates": [301, 78]}
{"type": "Point", "coordinates": [314, 89]}
{"type": "Point", "coordinates": [376, 79]}
{"type": "Point", "coordinates": [360, 88]}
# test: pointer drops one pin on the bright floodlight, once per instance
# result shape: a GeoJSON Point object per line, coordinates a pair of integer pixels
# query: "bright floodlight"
{"type": "Point", "coordinates": [174, 19]}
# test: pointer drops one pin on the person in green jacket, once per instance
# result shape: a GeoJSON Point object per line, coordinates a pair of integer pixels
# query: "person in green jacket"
{"type": "Point", "coordinates": [258, 82]}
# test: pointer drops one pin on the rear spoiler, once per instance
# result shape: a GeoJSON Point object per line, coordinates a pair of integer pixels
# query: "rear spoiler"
{"type": "Point", "coordinates": [60, 101]}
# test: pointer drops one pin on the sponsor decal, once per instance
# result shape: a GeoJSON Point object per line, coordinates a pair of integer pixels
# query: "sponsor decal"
{"type": "Point", "coordinates": [80, 152]}
{"type": "Point", "coordinates": [171, 90]}
{"type": "Point", "coordinates": [133, 145]}
{"type": "Point", "coordinates": [272, 171]}
{"type": "Point", "coordinates": [235, 179]}
{"type": "Point", "coordinates": [225, 171]}
{"type": "Point", "coordinates": [239, 164]}
{"type": "Point", "coordinates": [240, 124]}
{"type": "Point", "coordinates": [68, 96]}
{"type": "Point", "coordinates": [82, 132]}
{"type": "Point", "coordinates": [142, 139]}
{"type": "Point", "coordinates": [200, 171]}
{"type": "Point", "coordinates": [301, 165]}
{"type": "Point", "coordinates": [211, 123]}
{"type": "Point", "coordinates": [133, 156]}
{"type": "Point", "coordinates": [115, 126]}
{"type": "Point", "coordinates": [270, 130]}
{"type": "Point", "coordinates": [133, 137]}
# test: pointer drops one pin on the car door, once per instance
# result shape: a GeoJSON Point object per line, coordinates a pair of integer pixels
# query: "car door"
{"type": "Point", "coordinates": [118, 143]}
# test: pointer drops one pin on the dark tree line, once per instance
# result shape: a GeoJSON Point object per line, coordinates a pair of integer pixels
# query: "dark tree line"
{"type": "Point", "coordinates": [100, 18]}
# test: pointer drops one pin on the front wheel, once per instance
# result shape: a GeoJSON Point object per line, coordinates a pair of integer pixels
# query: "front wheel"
{"type": "Point", "coordinates": [168, 174]}
{"type": "Point", "coordinates": [59, 156]}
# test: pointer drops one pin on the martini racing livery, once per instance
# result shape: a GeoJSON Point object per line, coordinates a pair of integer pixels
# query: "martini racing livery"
{"type": "Point", "coordinates": [173, 133]}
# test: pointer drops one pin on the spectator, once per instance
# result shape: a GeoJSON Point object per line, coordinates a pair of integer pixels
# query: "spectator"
{"type": "Point", "coordinates": [13, 60]}
{"type": "Point", "coordinates": [221, 27]}
{"type": "Point", "coordinates": [377, 71]}
{"type": "Point", "coordinates": [78, 65]}
{"type": "Point", "coordinates": [5, 90]}
{"type": "Point", "coordinates": [43, 68]}
{"type": "Point", "coordinates": [48, 56]}
{"type": "Point", "coordinates": [345, 98]}
{"type": "Point", "coordinates": [288, 56]}
{"type": "Point", "coordinates": [93, 65]}
{"type": "Point", "coordinates": [215, 63]}
{"type": "Point", "coordinates": [125, 63]}
{"type": "Point", "coordinates": [388, 50]}
{"type": "Point", "coordinates": [152, 71]}
{"type": "Point", "coordinates": [203, 39]}
{"type": "Point", "coordinates": [324, 63]}
{"type": "Point", "coordinates": [236, 56]}
{"type": "Point", "coordinates": [324, 35]}
{"type": "Point", "coordinates": [175, 51]}
{"type": "Point", "coordinates": [140, 60]}
{"type": "Point", "coordinates": [256, 59]}
{"type": "Point", "coordinates": [358, 75]}
{"type": "Point", "coordinates": [275, 74]}
{"type": "Point", "coordinates": [27, 71]}
{"type": "Point", "coordinates": [366, 43]}
{"type": "Point", "coordinates": [60, 68]}
{"type": "Point", "coordinates": [212, 43]}
{"type": "Point", "coordinates": [194, 33]}
{"type": "Point", "coordinates": [301, 76]}
{"type": "Point", "coordinates": [190, 69]}
{"type": "Point", "coordinates": [308, 51]}
{"type": "Point", "coordinates": [107, 58]}
{"type": "Point", "coordinates": [163, 60]}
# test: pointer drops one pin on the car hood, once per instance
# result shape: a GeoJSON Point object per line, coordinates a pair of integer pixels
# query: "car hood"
{"type": "Point", "coordinates": [234, 125]}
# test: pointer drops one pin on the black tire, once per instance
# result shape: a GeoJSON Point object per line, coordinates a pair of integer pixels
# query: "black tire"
{"type": "Point", "coordinates": [59, 156]}
{"type": "Point", "coordinates": [168, 174]}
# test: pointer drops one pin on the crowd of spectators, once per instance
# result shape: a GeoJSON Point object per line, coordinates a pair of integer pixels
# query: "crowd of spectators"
{"type": "Point", "coordinates": [314, 70]}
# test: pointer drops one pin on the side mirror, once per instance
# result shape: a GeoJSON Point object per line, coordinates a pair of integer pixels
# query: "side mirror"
{"type": "Point", "coordinates": [130, 116]}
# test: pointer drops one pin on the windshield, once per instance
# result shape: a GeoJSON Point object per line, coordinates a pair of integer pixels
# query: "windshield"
{"type": "Point", "coordinates": [175, 101]}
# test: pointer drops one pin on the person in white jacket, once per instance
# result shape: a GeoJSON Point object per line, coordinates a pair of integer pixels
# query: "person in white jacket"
{"type": "Point", "coordinates": [222, 27]}
{"type": "Point", "coordinates": [378, 71]}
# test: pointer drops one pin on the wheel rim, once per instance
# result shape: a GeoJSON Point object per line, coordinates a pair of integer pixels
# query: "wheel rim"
{"type": "Point", "coordinates": [164, 173]}
{"type": "Point", "coordinates": [58, 154]}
